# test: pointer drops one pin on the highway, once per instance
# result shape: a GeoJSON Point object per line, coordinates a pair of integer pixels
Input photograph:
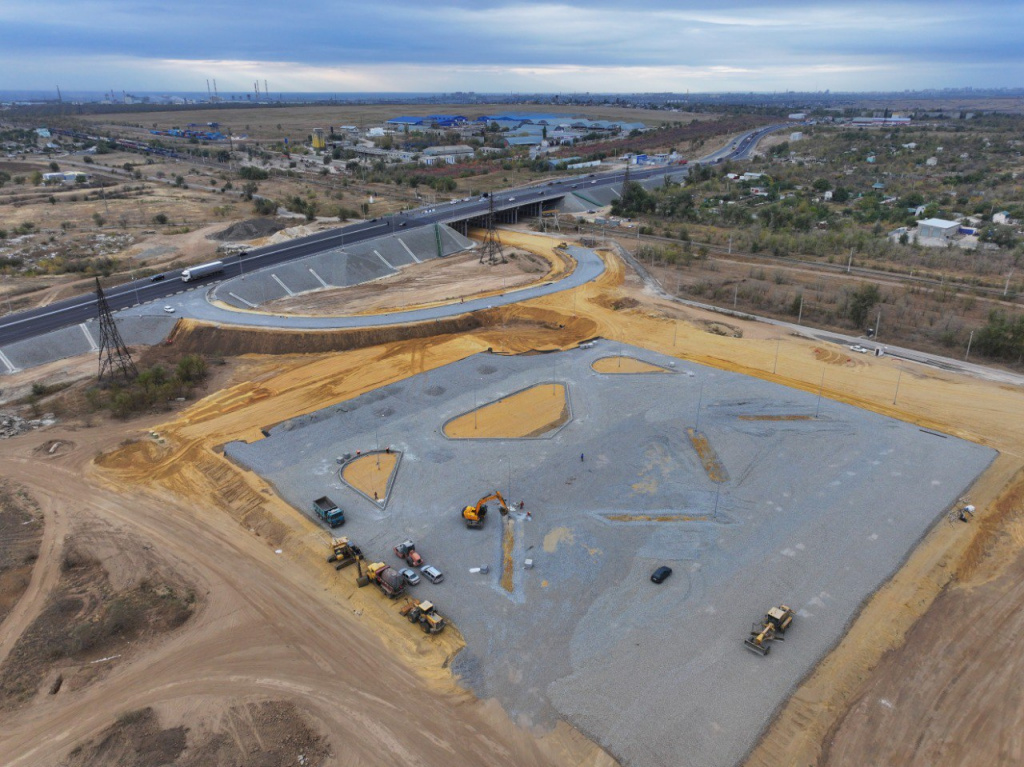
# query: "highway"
{"type": "Point", "coordinates": [34, 322]}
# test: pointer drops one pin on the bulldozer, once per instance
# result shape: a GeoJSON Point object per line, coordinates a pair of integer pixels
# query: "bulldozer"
{"type": "Point", "coordinates": [425, 614]}
{"type": "Point", "coordinates": [770, 629]}
{"type": "Point", "coordinates": [474, 515]}
{"type": "Point", "coordinates": [343, 553]}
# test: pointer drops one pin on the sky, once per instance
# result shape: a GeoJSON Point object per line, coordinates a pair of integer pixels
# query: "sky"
{"type": "Point", "coordinates": [527, 46]}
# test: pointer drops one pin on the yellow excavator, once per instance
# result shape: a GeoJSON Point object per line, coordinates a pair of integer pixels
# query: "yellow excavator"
{"type": "Point", "coordinates": [771, 628]}
{"type": "Point", "coordinates": [474, 515]}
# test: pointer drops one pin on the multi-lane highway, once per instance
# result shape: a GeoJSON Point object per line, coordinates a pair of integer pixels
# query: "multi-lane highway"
{"type": "Point", "coordinates": [22, 325]}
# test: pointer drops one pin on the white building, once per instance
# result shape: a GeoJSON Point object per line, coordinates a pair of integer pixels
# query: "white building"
{"type": "Point", "coordinates": [937, 228]}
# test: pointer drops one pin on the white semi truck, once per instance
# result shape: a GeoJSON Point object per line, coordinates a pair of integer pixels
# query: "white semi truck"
{"type": "Point", "coordinates": [203, 270]}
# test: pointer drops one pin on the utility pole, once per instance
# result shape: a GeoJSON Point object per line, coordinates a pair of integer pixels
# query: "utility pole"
{"type": "Point", "coordinates": [1006, 288]}
{"type": "Point", "coordinates": [877, 323]}
{"type": "Point", "coordinates": [800, 315]}
{"type": "Point", "coordinates": [969, 341]}
{"type": "Point", "coordinates": [849, 262]}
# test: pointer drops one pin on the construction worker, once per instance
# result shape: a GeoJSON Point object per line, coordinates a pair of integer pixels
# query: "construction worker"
{"type": "Point", "coordinates": [581, 457]}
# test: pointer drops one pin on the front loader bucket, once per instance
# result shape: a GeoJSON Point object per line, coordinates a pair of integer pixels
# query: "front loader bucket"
{"type": "Point", "coordinates": [760, 649]}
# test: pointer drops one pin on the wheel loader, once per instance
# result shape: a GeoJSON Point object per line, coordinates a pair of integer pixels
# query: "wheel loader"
{"type": "Point", "coordinates": [343, 553]}
{"type": "Point", "coordinates": [770, 629]}
{"type": "Point", "coordinates": [425, 614]}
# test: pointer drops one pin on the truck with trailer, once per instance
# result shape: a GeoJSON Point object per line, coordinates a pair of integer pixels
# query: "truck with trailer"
{"type": "Point", "coordinates": [202, 270]}
{"type": "Point", "coordinates": [329, 512]}
{"type": "Point", "coordinates": [388, 580]}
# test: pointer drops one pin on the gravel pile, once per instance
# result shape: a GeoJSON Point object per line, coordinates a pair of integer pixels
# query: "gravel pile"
{"type": "Point", "coordinates": [249, 230]}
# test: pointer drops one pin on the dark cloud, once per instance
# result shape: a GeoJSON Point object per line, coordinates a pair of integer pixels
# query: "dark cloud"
{"type": "Point", "coordinates": [757, 36]}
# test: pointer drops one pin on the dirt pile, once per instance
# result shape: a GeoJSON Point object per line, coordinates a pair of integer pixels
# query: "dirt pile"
{"type": "Point", "coordinates": [195, 338]}
{"type": "Point", "coordinates": [264, 734]}
{"type": "Point", "coordinates": [252, 229]}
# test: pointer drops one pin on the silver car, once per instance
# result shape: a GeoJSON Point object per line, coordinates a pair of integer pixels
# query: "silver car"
{"type": "Point", "coordinates": [410, 575]}
{"type": "Point", "coordinates": [432, 574]}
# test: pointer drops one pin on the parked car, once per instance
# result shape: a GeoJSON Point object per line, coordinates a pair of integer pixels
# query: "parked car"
{"type": "Point", "coordinates": [661, 574]}
{"type": "Point", "coordinates": [432, 574]}
{"type": "Point", "coordinates": [411, 576]}
{"type": "Point", "coordinates": [169, 309]}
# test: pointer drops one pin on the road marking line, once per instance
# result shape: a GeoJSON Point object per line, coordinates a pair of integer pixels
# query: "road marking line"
{"type": "Point", "coordinates": [89, 338]}
{"type": "Point", "coordinates": [378, 255]}
{"type": "Point", "coordinates": [7, 363]}
{"type": "Point", "coordinates": [286, 288]}
{"type": "Point", "coordinates": [318, 278]}
{"type": "Point", "coordinates": [408, 250]}
{"type": "Point", "coordinates": [239, 298]}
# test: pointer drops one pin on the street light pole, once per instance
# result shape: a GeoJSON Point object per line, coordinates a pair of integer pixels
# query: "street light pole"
{"type": "Point", "coordinates": [969, 340]}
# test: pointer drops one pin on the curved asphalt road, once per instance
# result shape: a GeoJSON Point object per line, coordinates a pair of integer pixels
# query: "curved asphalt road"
{"type": "Point", "coordinates": [194, 304]}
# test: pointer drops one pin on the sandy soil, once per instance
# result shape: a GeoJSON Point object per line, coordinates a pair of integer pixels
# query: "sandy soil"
{"type": "Point", "coordinates": [620, 364]}
{"type": "Point", "coordinates": [287, 627]}
{"type": "Point", "coordinates": [529, 413]}
{"type": "Point", "coordinates": [369, 474]}
{"type": "Point", "coordinates": [451, 279]}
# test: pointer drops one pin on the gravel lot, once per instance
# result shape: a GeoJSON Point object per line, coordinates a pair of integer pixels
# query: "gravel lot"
{"type": "Point", "coordinates": [815, 513]}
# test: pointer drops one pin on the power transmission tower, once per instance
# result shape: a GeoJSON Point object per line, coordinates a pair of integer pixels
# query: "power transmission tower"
{"type": "Point", "coordinates": [115, 361]}
{"type": "Point", "coordinates": [491, 251]}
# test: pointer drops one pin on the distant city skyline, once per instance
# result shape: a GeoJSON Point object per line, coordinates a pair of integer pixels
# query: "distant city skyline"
{"type": "Point", "coordinates": [529, 46]}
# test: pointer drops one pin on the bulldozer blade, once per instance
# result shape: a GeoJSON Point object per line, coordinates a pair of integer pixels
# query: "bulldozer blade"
{"type": "Point", "coordinates": [362, 580]}
{"type": "Point", "coordinates": [760, 649]}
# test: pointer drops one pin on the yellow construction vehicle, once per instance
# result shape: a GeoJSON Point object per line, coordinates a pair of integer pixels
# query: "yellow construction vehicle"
{"type": "Point", "coordinates": [425, 614]}
{"type": "Point", "coordinates": [343, 553]}
{"type": "Point", "coordinates": [388, 580]}
{"type": "Point", "coordinates": [474, 515]}
{"type": "Point", "coordinates": [771, 628]}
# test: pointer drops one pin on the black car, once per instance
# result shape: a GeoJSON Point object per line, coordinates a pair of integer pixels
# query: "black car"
{"type": "Point", "coordinates": [157, 277]}
{"type": "Point", "coordinates": [661, 574]}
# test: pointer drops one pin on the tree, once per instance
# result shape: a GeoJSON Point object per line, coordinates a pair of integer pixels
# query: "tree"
{"type": "Point", "coordinates": [264, 206]}
{"type": "Point", "coordinates": [54, 167]}
{"type": "Point", "coordinates": [252, 173]}
{"type": "Point", "coordinates": [861, 302]}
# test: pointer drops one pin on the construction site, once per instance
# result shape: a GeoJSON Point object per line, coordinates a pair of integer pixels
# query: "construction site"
{"type": "Point", "coordinates": [511, 477]}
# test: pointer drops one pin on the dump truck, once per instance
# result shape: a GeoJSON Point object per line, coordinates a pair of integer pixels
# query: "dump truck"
{"type": "Point", "coordinates": [425, 614]}
{"type": "Point", "coordinates": [407, 551]}
{"type": "Point", "coordinates": [388, 579]}
{"type": "Point", "coordinates": [343, 553]}
{"type": "Point", "coordinates": [202, 270]}
{"type": "Point", "coordinates": [771, 628]}
{"type": "Point", "coordinates": [329, 512]}
{"type": "Point", "coordinates": [474, 515]}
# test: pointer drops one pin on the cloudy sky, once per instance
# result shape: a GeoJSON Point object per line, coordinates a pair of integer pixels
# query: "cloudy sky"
{"type": "Point", "coordinates": [498, 46]}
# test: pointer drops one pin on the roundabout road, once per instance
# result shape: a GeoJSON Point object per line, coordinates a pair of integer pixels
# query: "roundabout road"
{"type": "Point", "coordinates": [194, 304]}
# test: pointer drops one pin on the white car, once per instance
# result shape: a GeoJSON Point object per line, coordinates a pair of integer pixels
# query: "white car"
{"type": "Point", "coordinates": [169, 309]}
{"type": "Point", "coordinates": [859, 348]}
